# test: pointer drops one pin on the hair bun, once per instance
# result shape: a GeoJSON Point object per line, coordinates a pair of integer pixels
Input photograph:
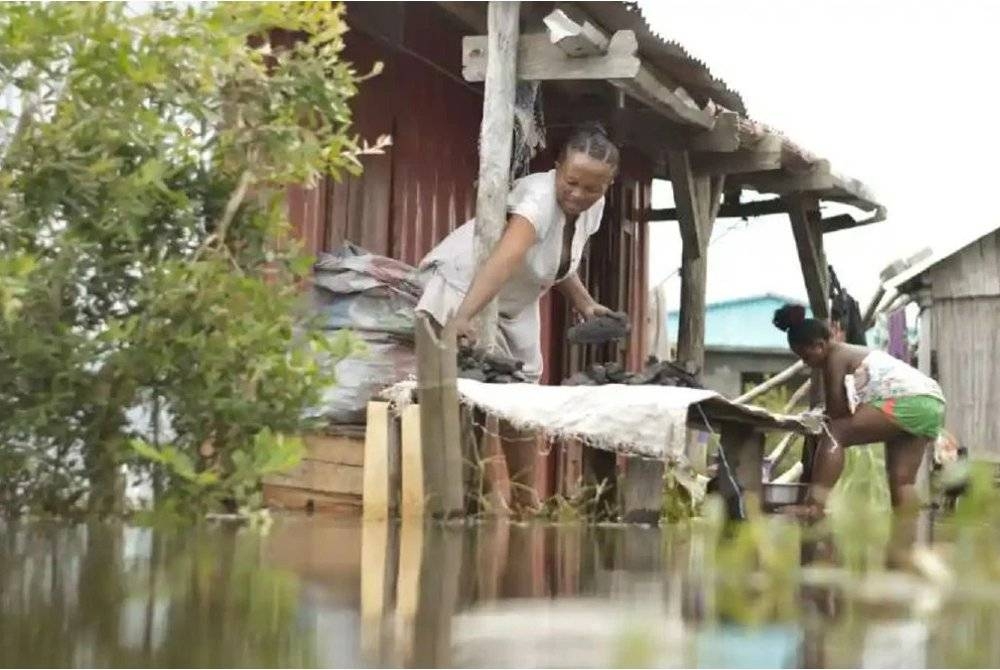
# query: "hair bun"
{"type": "Point", "coordinates": [788, 316]}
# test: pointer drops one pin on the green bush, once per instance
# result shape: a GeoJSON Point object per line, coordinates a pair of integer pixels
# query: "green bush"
{"type": "Point", "coordinates": [145, 253]}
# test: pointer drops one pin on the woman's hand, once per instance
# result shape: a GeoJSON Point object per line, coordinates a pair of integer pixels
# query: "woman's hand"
{"type": "Point", "coordinates": [594, 310]}
{"type": "Point", "coordinates": [465, 331]}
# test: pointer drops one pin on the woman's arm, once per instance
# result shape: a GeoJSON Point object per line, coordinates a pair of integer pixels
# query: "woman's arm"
{"type": "Point", "coordinates": [577, 294]}
{"type": "Point", "coordinates": [506, 258]}
{"type": "Point", "coordinates": [833, 385]}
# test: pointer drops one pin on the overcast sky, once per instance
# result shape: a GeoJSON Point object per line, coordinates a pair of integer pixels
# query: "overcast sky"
{"type": "Point", "coordinates": [901, 95]}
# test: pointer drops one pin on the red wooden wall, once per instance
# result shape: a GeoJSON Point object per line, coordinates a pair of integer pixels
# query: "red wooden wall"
{"type": "Point", "coordinates": [408, 199]}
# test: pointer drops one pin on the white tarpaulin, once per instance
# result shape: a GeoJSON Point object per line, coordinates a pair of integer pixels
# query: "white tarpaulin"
{"type": "Point", "coordinates": [648, 421]}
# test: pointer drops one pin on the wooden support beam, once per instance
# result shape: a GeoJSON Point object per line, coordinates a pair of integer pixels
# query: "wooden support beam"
{"type": "Point", "coordinates": [380, 497]}
{"type": "Point", "coordinates": [650, 88]}
{"type": "Point", "coordinates": [818, 178]}
{"type": "Point", "coordinates": [740, 211]}
{"type": "Point", "coordinates": [846, 221]}
{"type": "Point", "coordinates": [538, 59]}
{"type": "Point", "coordinates": [500, 44]}
{"type": "Point", "coordinates": [724, 135]}
{"type": "Point", "coordinates": [641, 488]}
{"type": "Point", "coordinates": [575, 39]}
{"type": "Point", "coordinates": [412, 495]}
{"type": "Point", "coordinates": [694, 262]}
{"type": "Point", "coordinates": [773, 382]}
{"type": "Point", "coordinates": [440, 427]}
{"type": "Point", "coordinates": [804, 213]}
{"type": "Point", "coordinates": [744, 451]}
{"type": "Point", "coordinates": [682, 179]}
{"type": "Point", "coordinates": [736, 162]}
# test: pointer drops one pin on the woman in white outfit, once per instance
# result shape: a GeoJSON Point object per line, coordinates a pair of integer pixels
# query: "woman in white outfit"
{"type": "Point", "coordinates": [551, 215]}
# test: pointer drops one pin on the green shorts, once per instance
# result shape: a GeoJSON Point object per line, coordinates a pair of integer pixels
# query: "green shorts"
{"type": "Point", "coordinates": [921, 415]}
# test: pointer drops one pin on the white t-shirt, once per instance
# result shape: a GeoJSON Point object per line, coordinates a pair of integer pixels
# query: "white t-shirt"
{"type": "Point", "coordinates": [534, 198]}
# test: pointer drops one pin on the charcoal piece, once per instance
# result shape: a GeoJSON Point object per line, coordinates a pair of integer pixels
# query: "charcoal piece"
{"type": "Point", "coordinates": [503, 364]}
{"type": "Point", "coordinates": [472, 373]}
{"type": "Point", "coordinates": [598, 373]}
{"type": "Point", "coordinates": [502, 379]}
{"type": "Point", "coordinates": [616, 372]}
{"type": "Point", "coordinates": [600, 329]}
{"type": "Point", "coordinates": [519, 376]}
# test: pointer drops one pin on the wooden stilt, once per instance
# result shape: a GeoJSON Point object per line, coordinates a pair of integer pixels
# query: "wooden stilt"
{"type": "Point", "coordinates": [744, 451]}
{"type": "Point", "coordinates": [413, 496]}
{"type": "Point", "coordinates": [642, 490]}
{"type": "Point", "coordinates": [495, 470]}
{"type": "Point", "coordinates": [440, 430]}
{"type": "Point", "coordinates": [381, 464]}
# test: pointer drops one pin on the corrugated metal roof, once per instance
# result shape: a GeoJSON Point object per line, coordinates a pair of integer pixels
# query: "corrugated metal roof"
{"type": "Point", "coordinates": [666, 55]}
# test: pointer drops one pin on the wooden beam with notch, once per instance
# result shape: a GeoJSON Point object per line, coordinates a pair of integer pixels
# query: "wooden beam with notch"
{"type": "Point", "coordinates": [685, 196]}
{"type": "Point", "coordinates": [803, 211]}
{"type": "Point", "coordinates": [575, 39]}
{"type": "Point", "coordinates": [540, 60]}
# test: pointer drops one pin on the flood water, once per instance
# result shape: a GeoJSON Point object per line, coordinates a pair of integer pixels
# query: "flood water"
{"type": "Point", "coordinates": [319, 592]}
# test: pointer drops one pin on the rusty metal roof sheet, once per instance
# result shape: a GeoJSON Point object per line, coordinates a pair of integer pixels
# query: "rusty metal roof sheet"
{"type": "Point", "coordinates": [666, 55]}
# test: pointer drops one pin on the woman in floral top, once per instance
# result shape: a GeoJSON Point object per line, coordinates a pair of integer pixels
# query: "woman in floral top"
{"type": "Point", "coordinates": [870, 397]}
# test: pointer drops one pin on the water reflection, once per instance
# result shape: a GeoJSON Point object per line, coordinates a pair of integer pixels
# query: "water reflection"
{"type": "Point", "coordinates": [316, 592]}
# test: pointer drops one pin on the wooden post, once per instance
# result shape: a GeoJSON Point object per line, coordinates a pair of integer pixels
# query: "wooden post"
{"type": "Point", "coordinates": [924, 359]}
{"type": "Point", "coordinates": [642, 490]}
{"type": "Point", "coordinates": [803, 209]}
{"type": "Point", "coordinates": [696, 198]}
{"type": "Point", "coordinates": [413, 490]}
{"type": "Point", "coordinates": [380, 496]}
{"type": "Point", "coordinates": [440, 428]}
{"type": "Point", "coordinates": [744, 451]}
{"type": "Point", "coordinates": [495, 136]}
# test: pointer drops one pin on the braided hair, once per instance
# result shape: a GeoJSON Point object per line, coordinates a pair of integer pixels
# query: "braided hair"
{"type": "Point", "coordinates": [591, 139]}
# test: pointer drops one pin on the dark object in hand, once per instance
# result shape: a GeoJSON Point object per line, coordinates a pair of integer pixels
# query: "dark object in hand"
{"type": "Point", "coordinates": [600, 329]}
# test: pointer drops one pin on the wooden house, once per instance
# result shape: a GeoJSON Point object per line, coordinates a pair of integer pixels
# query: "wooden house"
{"type": "Point", "coordinates": [592, 61]}
{"type": "Point", "coordinates": [959, 330]}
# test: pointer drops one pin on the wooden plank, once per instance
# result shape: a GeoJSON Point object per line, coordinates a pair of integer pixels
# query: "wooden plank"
{"type": "Point", "coordinates": [739, 211]}
{"type": "Point", "coordinates": [322, 477]}
{"type": "Point", "coordinates": [650, 88]}
{"type": "Point", "coordinates": [723, 136]}
{"type": "Point", "coordinates": [453, 490]}
{"type": "Point", "coordinates": [335, 448]}
{"type": "Point", "coordinates": [682, 179]}
{"type": "Point", "coordinates": [735, 162]}
{"type": "Point", "coordinates": [818, 178]}
{"type": "Point", "coordinates": [413, 496]}
{"type": "Point", "coordinates": [540, 60]}
{"type": "Point", "coordinates": [283, 497]}
{"type": "Point", "coordinates": [795, 369]}
{"type": "Point", "coordinates": [804, 214]}
{"type": "Point", "coordinates": [377, 491]}
{"type": "Point", "coordinates": [575, 39]}
{"type": "Point", "coordinates": [500, 77]}
{"type": "Point", "coordinates": [537, 59]}
{"type": "Point", "coordinates": [694, 270]}
{"type": "Point", "coordinates": [440, 429]}
{"type": "Point", "coordinates": [642, 490]}
{"type": "Point", "coordinates": [744, 451]}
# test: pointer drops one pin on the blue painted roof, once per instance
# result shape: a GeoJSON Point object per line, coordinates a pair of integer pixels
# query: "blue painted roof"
{"type": "Point", "coordinates": [744, 322]}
